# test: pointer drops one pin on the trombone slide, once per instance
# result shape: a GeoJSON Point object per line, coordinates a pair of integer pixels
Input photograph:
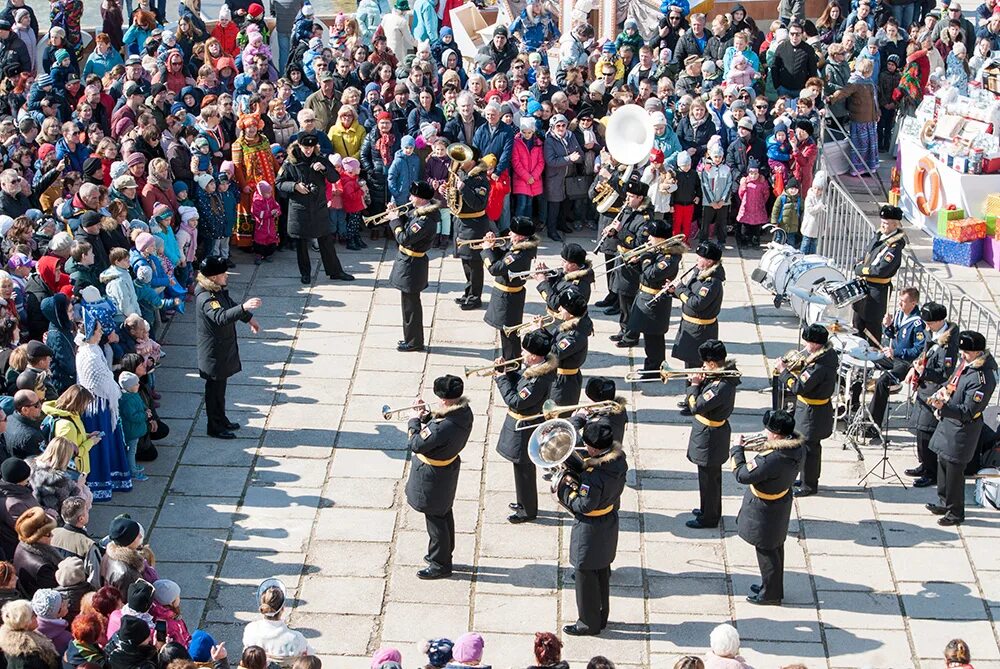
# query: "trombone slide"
{"type": "Point", "coordinates": [479, 371]}
{"type": "Point", "coordinates": [479, 244]}
{"type": "Point", "coordinates": [535, 323]}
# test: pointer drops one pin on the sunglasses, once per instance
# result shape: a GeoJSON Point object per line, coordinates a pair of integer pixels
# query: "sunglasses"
{"type": "Point", "coordinates": [796, 33]}
{"type": "Point", "coordinates": [760, 106]}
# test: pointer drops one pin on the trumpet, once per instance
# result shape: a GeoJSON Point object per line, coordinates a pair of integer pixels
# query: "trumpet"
{"type": "Point", "coordinates": [388, 215]}
{"type": "Point", "coordinates": [671, 245]}
{"type": "Point", "coordinates": [479, 244]}
{"type": "Point", "coordinates": [552, 410]}
{"type": "Point", "coordinates": [754, 439]}
{"type": "Point", "coordinates": [666, 374]}
{"type": "Point", "coordinates": [495, 367]}
{"type": "Point", "coordinates": [548, 271]}
{"type": "Point", "coordinates": [533, 324]}
{"type": "Point", "coordinates": [795, 360]}
{"type": "Point", "coordinates": [388, 413]}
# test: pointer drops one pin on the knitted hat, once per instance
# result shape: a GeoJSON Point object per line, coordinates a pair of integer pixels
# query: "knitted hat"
{"type": "Point", "coordinates": [46, 603]}
{"type": "Point", "coordinates": [133, 630]}
{"type": "Point", "coordinates": [128, 380]}
{"type": "Point", "coordinates": [190, 213]}
{"type": "Point", "coordinates": [468, 648]}
{"type": "Point", "coordinates": [201, 646]}
{"type": "Point", "coordinates": [144, 274]}
{"type": "Point", "coordinates": [61, 242]}
{"type": "Point", "coordinates": [438, 651]}
{"type": "Point", "coordinates": [15, 470]}
{"type": "Point", "coordinates": [124, 530]}
{"type": "Point", "coordinates": [140, 596]}
{"type": "Point", "coordinates": [407, 142]}
{"type": "Point", "coordinates": [70, 572]}
{"type": "Point", "coordinates": [166, 591]}
{"type": "Point", "coordinates": [135, 158]}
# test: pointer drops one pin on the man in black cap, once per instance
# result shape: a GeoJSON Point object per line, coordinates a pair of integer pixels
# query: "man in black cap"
{"type": "Point", "coordinates": [524, 393]}
{"type": "Point", "coordinates": [602, 389]}
{"type": "Point", "coordinates": [593, 497]}
{"type": "Point", "coordinates": [905, 331]}
{"type": "Point", "coordinates": [15, 498]}
{"type": "Point", "coordinates": [576, 274]}
{"type": "Point", "coordinates": [13, 52]}
{"type": "Point", "coordinates": [813, 388]}
{"type": "Point", "coordinates": [218, 351]}
{"type": "Point", "coordinates": [930, 372]}
{"type": "Point", "coordinates": [135, 647]}
{"type": "Point", "coordinates": [473, 184]}
{"type": "Point", "coordinates": [609, 176]}
{"type": "Point", "coordinates": [701, 297]}
{"type": "Point", "coordinates": [877, 267]}
{"type": "Point", "coordinates": [500, 50]}
{"type": "Point", "coordinates": [415, 236]}
{"type": "Point", "coordinates": [960, 404]}
{"type": "Point", "coordinates": [650, 313]}
{"type": "Point", "coordinates": [436, 438]}
{"type": "Point", "coordinates": [507, 299]}
{"type": "Point", "coordinates": [767, 504]}
{"type": "Point", "coordinates": [711, 400]}
{"type": "Point", "coordinates": [572, 332]}
{"type": "Point", "coordinates": [630, 231]}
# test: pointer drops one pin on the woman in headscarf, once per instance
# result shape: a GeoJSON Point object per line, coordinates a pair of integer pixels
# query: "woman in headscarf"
{"type": "Point", "coordinates": [59, 338]}
{"type": "Point", "coordinates": [377, 152]}
{"type": "Point", "coordinates": [254, 163]}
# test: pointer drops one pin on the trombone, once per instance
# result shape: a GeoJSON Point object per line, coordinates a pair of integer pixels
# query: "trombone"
{"type": "Point", "coordinates": [665, 374]}
{"type": "Point", "coordinates": [534, 324]}
{"type": "Point", "coordinates": [671, 245]}
{"type": "Point", "coordinates": [388, 413]}
{"type": "Point", "coordinates": [479, 244]}
{"type": "Point", "coordinates": [552, 410]}
{"type": "Point", "coordinates": [388, 215]}
{"type": "Point", "coordinates": [495, 367]}
{"type": "Point", "coordinates": [548, 271]}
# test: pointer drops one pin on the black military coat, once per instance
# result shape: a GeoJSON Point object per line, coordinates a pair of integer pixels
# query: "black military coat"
{"type": "Point", "coordinates": [701, 298]}
{"type": "Point", "coordinates": [763, 521]}
{"type": "Point", "coordinates": [572, 340]}
{"type": "Point", "coordinates": [610, 243]}
{"type": "Point", "coordinates": [507, 299]}
{"type": "Point", "coordinates": [878, 266]}
{"type": "Point", "coordinates": [415, 237]}
{"type": "Point", "coordinates": [550, 288]}
{"type": "Point", "coordinates": [817, 382]}
{"type": "Point", "coordinates": [941, 358]}
{"type": "Point", "coordinates": [593, 541]}
{"type": "Point", "coordinates": [648, 316]}
{"type": "Point", "coordinates": [431, 486]}
{"type": "Point", "coordinates": [524, 394]}
{"type": "Point", "coordinates": [710, 403]}
{"type": "Point", "coordinates": [625, 279]}
{"type": "Point", "coordinates": [475, 191]}
{"type": "Point", "coordinates": [957, 435]}
{"type": "Point", "coordinates": [217, 315]}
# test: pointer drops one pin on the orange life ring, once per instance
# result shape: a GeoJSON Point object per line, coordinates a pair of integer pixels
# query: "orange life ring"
{"type": "Point", "coordinates": [924, 167]}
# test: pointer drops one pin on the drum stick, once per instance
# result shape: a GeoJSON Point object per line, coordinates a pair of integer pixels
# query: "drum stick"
{"type": "Point", "coordinates": [871, 338]}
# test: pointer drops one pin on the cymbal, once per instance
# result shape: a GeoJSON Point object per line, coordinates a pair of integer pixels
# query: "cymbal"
{"type": "Point", "coordinates": [835, 324]}
{"type": "Point", "coordinates": [810, 295]}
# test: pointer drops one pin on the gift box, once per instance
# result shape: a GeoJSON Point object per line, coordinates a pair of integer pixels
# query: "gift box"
{"type": "Point", "coordinates": [991, 252]}
{"type": "Point", "coordinates": [991, 225]}
{"type": "Point", "coordinates": [992, 205]}
{"type": "Point", "coordinates": [965, 230]}
{"type": "Point", "coordinates": [951, 252]}
{"type": "Point", "coordinates": [945, 215]}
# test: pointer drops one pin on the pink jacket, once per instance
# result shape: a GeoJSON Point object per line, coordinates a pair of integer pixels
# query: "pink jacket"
{"type": "Point", "coordinates": [803, 161]}
{"type": "Point", "coordinates": [265, 213]}
{"type": "Point", "coordinates": [753, 201]}
{"type": "Point", "coordinates": [528, 161]}
{"type": "Point", "coordinates": [176, 628]}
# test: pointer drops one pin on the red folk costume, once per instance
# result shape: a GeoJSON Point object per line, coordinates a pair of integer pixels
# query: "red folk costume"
{"type": "Point", "coordinates": [254, 163]}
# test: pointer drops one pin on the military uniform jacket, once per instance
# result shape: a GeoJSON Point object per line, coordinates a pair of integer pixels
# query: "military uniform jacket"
{"type": "Point", "coordinates": [818, 380]}
{"type": "Point", "coordinates": [571, 341]}
{"type": "Point", "coordinates": [217, 316]}
{"type": "Point", "coordinates": [475, 191]}
{"type": "Point", "coordinates": [941, 357]}
{"type": "Point", "coordinates": [625, 279]}
{"type": "Point", "coordinates": [507, 299]}
{"type": "Point", "coordinates": [415, 238]}
{"type": "Point", "coordinates": [957, 434]}
{"type": "Point", "coordinates": [552, 287]}
{"type": "Point", "coordinates": [646, 316]}
{"type": "Point", "coordinates": [767, 502]}
{"type": "Point", "coordinates": [701, 299]}
{"type": "Point", "coordinates": [524, 395]}
{"type": "Point", "coordinates": [618, 420]}
{"type": "Point", "coordinates": [609, 245]}
{"type": "Point", "coordinates": [711, 404]}
{"type": "Point", "coordinates": [878, 266]}
{"type": "Point", "coordinates": [436, 445]}
{"type": "Point", "coordinates": [908, 335]}
{"type": "Point", "coordinates": [594, 539]}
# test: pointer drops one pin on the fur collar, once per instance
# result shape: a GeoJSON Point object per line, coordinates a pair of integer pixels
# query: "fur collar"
{"type": "Point", "coordinates": [547, 366]}
{"type": "Point", "coordinates": [613, 454]}
{"type": "Point", "coordinates": [427, 209]}
{"type": "Point", "coordinates": [623, 403]}
{"type": "Point", "coordinates": [784, 444]}
{"type": "Point", "coordinates": [444, 411]}
{"type": "Point", "coordinates": [569, 324]}
{"type": "Point", "coordinates": [894, 237]}
{"type": "Point", "coordinates": [949, 329]}
{"type": "Point", "coordinates": [586, 270]}
{"type": "Point", "coordinates": [128, 556]}
{"type": "Point", "coordinates": [208, 284]}
{"type": "Point", "coordinates": [979, 362]}
{"type": "Point", "coordinates": [527, 244]}
{"type": "Point", "coordinates": [26, 643]}
{"type": "Point", "coordinates": [813, 357]}
{"type": "Point", "coordinates": [705, 274]}
{"type": "Point", "coordinates": [480, 168]}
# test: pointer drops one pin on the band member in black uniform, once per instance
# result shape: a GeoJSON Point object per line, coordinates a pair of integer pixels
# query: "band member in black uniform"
{"type": "Point", "coordinates": [711, 400]}
{"type": "Point", "coordinates": [594, 500]}
{"type": "Point", "coordinates": [650, 315]}
{"type": "Point", "coordinates": [572, 333]}
{"type": "Point", "coordinates": [625, 278]}
{"type": "Point", "coordinates": [906, 340]}
{"type": "Point", "coordinates": [701, 298]}
{"type": "Point", "coordinates": [812, 389]}
{"type": "Point", "coordinates": [878, 266]}
{"type": "Point", "coordinates": [473, 183]}
{"type": "Point", "coordinates": [960, 404]}
{"type": "Point", "coordinates": [930, 372]}
{"type": "Point", "coordinates": [524, 393]}
{"type": "Point", "coordinates": [577, 273]}
{"type": "Point", "coordinates": [602, 389]}
{"type": "Point", "coordinates": [409, 272]}
{"type": "Point", "coordinates": [767, 504]}
{"type": "Point", "coordinates": [608, 245]}
{"type": "Point", "coordinates": [436, 438]}
{"type": "Point", "coordinates": [507, 299]}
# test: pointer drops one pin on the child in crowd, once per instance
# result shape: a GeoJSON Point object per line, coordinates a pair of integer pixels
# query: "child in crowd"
{"type": "Point", "coordinates": [786, 210]}
{"type": "Point", "coordinates": [211, 215]}
{"type": "Point", "coordinates": [335, 202]}
{"type": "Point", "coordinates": [201, 157]}
{"type": "Point", "coordinates": [436, 174]}
{"type": "Point", "coordinates": [716, 186]}
{"type": "Point", "coordinates": [354, 196]}
{"type": "Point", "coordinates": [686, 196]}
{"type": "Point", "coordinates": [118, 283]}
{"type": "Point", "coordinates": [80, 267]}
{"type": "Point", "coordinates": [230, 199]}
{"type": "Point", "coordinates": [134, 419]}
{"type": "Point", "coordinates": [957, 68]}
{"type": "Point", "coordinates": [888, 80]}
{"type": "Point", "coordinates": [814, 215]}
{"type": "Point", "coordinates": [661, 182]}
{"type": "Point", "coordinates": [187, 241]}
{"type": "Point", "coordinates": [404, 170]}
{"type": "Point", "coordinates": [265, 211]}
{"type": "Point", "coordinates": [779, 152]}
{"type": "Point", "coordinates": [741, 72]}
{"type": "Point", "coordinates": [167, 607]}
{"type": "Point", "coordinates": [753, 192]}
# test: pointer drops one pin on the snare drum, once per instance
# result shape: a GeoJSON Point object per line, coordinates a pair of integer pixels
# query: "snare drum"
{"type": "Point", "coordinates": [807, 273]}
{"type": "Point", "coordinates": [845, 293]}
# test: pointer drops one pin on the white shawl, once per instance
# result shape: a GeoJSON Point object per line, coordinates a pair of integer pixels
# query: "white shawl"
{"type": "Point", "coordinates": [94, 374]}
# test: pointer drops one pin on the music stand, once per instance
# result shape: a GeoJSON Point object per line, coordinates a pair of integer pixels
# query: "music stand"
{"type": "Point", "coordinates": [884, 460]}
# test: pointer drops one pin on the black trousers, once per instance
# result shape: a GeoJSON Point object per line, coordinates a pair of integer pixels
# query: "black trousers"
{"type": "Point", "coordinates": [593, 598]}
{"type": "Point", "coordinates": [510, 345]}
{"type": "Point", "coordinates": [951, 488]}
{"type": "Point", "coordinates": [717, 217]}
{"type": "Point", "coordinates": [526, 486]}
{"type": "Point", "coordinates": [813, 465]}
{"type": "Point", "coordinates": [895, 372]}
{"type": "Point", "coordinates": [771, 562]}
{"type": "Point", "coordinates": [473, 268]}
{"type": "Point", "coordinates": [928, 458]}
{"type": "Point", "coordinates": [413, 318]}
{"type": "Point", "coordinates": [441, 534]}
{"type": "Point", "coordinates": [566, 389]}
{"type": "Point", "coordinates": [552, 216]}
{"type": "Point", "coordinates": [608, 257]}
{"type": "Point", "coordinates": [625, 303]}
{"type": "Point", "coordinates": [327, 253]}
{"type": "Point", "coordinates": [710, 494]}
{"type": "Point", "coordinates": [215, 405]}
{"type": "Point", "coordinates": [656, 350]}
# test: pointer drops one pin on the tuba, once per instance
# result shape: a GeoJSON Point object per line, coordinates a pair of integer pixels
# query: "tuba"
{"type": "Point", "coordinates": [459, 153]}
{"type": "Point", "coordinates": [629, 138]}
{"type": "Point", "coordinates": [553, 446]}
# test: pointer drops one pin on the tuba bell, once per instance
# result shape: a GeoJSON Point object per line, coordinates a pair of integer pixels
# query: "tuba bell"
{"type": "Point", "coordinates": [630, 135]}
{"type": "Point", "coordinates": [553, 446]}
{"type": "Point", "coordinates": [459, 153]}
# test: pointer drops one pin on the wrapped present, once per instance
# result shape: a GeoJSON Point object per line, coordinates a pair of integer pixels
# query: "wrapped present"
{"type": "Point", "coordinates": [951, 252]}
{"type": "Point", "coordinates": [991, 225]}
{"type": "Point", "coordinates": [991, 252]}
{"type": "Point", "coordinates": [965, 230]}
{"type": "Point", "coordinates": [945, 215]}
{"type": "Point", "coordinates": [992, 205]}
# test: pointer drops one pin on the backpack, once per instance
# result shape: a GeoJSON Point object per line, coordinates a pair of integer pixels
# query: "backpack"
{"type": "Point", "coordinates": [48, 428]}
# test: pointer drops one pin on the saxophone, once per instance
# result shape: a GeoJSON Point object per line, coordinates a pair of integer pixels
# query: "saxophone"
{"type": "Point", "coordinates": [459, 153]}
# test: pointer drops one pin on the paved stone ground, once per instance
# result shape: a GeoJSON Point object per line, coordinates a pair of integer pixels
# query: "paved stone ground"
{"type": "Point", "coordinates": [312, 492]}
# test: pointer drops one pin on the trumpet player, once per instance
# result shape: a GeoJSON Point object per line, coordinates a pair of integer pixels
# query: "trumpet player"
{"type": "Point", "coordinates": [436, 438]}
{"type": "Point", "coordinates": [594, 500]}
{"type": "Point", "coordinates": [813, 388]}
{"type": "Point", "coordinates": [603, 389]}
{"type": "Point", "coordinates": [650, 313]}
{"type": "Point", "coordinates": [524, 393]}
{"type": "Point", "coordinates": [960, 404]}
{"type": "Point", "coordinates": [577, 274]}
{"type": "Point", "coordinates": [570, 345]}
{"type": "Point", "coordinates": [508, 295]}
{"type": "Point", "coordinates": [877, 267]}
{"type": "Point", "coordinates": [472, 182]}
{"type": "Point", "coordinates": [415, 236]}
{"type": "Point", "coordinates": [625, 281]}
{"type": "Point", "coordinates": [607, 177]}
{"type": "Point", "coordinates": [767, 504]}
{"type": "Point", "coordinates": [711, 401]}
{"type": "Point", "coordinates": [930, 372]}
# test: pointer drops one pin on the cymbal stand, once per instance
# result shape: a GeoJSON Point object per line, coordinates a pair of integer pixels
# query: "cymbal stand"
{"type": "Point", "coordinates": [883, 462]}
{"type": "Point", "coordinates": [862, 418]}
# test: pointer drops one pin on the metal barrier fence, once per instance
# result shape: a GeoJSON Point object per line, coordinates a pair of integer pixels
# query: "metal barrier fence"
{"type": "Point", "coordinates": [847, 234]}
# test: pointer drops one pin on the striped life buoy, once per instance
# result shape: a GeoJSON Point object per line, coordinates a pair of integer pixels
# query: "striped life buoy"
{"type": "Point", "coordinates": [925, 167]}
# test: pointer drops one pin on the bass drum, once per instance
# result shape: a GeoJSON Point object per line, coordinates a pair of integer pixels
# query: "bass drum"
{"type": "Point", "coordinates": [807, 274]}
{"type": "Point", "coordinates": [775, 261]}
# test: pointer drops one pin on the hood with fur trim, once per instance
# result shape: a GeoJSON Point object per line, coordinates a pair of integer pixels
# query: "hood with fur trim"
{"type": "Point", "coordinates": [783, 444]}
